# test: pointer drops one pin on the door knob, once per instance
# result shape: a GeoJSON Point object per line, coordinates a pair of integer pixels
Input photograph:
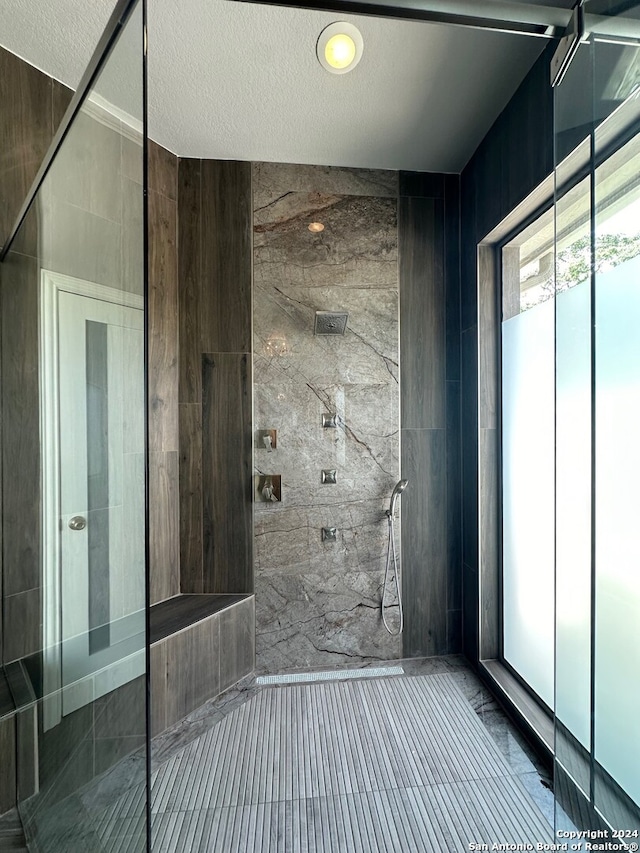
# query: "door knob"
{"type": "Point", "coordinates": [78, 522]}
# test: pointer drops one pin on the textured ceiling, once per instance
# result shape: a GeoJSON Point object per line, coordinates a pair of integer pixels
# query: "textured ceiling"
{"type": "Point", "coordinates": [238, 81]}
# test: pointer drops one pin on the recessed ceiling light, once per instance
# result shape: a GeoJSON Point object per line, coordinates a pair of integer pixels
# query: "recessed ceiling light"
{"type": "Point", "coordinates": [340, 47]}
{"type": "Point", "coordinates": [316, 227]}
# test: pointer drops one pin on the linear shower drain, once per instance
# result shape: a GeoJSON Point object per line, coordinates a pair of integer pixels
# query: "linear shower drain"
{"type": "Point", "coordinates": [332, 675]}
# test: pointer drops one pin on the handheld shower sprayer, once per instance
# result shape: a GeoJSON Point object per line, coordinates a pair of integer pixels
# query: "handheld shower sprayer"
{"type": "Point", "coordinates": [399, 488]}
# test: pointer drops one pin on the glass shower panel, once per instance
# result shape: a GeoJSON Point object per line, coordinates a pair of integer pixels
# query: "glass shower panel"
{"type": "Point", "coordinates": [617, 451]}
{"type": "Point", "coordinates": [73, 285]}
{"type": "Point", "coordinates": [573, 479]}
{"type": "Point", "coordinates": [597, 208]}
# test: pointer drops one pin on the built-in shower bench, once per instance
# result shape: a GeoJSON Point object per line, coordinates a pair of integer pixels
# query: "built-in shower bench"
{"type": "Point", "coordinates": [200, 646]}
{"type": "Point", "coordinates": [18, 718]}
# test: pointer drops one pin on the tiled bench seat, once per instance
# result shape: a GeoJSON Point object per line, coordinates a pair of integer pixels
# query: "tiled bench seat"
{"type": "Point", "coordinates": [200, 646]}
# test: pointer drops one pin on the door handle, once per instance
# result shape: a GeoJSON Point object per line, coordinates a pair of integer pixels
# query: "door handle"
{"type": "Point", "coordinates": [78, 522]}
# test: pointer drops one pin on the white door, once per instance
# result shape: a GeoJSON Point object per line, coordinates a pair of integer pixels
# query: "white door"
{"type": "Point", "coordinates": [98, 397]}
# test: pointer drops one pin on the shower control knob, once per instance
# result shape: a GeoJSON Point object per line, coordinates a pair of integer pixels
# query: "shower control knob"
{"type": "Point", "coordinates": [78, 522]}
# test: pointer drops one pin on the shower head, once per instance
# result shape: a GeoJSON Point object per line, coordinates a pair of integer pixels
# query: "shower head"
{"type": "Point", "coordinates": [330, 322]}
{"type": "Point", "coordinates": [399, 488]}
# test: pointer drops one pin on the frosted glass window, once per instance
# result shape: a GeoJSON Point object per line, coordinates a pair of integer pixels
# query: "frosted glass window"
{"type": "Point", "coordinates": [546, 268]}
{"type": "Point", "coordinates": [528, 495]}
{"type": "Point", "coordinates": [617, 625]}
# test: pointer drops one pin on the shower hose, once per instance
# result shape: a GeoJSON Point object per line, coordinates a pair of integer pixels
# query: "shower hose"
{"type": "Point", "coordinates": [391, 555]}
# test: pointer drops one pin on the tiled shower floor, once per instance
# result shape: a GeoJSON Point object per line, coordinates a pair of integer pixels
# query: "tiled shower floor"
{"type": "Point", "coordinates": [420, 762]}
{"type": "Point", "coordinates": [393, 764]}
{"type": "Point", "coordinates": [424, 761]}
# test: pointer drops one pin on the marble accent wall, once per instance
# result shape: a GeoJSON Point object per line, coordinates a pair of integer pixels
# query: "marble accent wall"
{"type": "Point", "coordinates": [318, 603]}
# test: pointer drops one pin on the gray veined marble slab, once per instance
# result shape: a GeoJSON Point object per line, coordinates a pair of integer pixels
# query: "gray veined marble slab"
{"type": "Point", "coordinates": [367, 353]}
{"type": "Point", "coordinates": [288, 540]}
{"type": "Point", "coordinates": [309, 619]}
{"type": "Point", "coordinates": [319, 602]}
{"type": "Point", "coordinates": [289, 211]}
{"type": "Point", "coordinates": [271, 180]}
{"type": "Point", "coordinates": [359, 241]}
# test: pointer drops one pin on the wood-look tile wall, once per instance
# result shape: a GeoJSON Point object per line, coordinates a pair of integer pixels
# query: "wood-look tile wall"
{"type": "Point", "coordinates": [513, 159]}
{"type": "Point", "coordinates": [103, 216]}
{"type": "Point", "coordinates": [109, 215]}
{"type": "Point", "coordinates": [164, 509]}
{"type": "Point", "coordinates": [196, 664]}
{"type": "Point", "coordinates": [429, 253]}
{"type": "Point", "coordinates": [8, 755]}
{"type": "Point", "coordinates": [31, 107]}
{"type": "Point", "coordinates": [216, 520]}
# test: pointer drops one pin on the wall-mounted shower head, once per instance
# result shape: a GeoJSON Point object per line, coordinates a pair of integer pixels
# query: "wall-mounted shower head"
{"type": "Point", "coordinates": [399, 488]}
{"type": "Point", "coordinates": [330, 322]}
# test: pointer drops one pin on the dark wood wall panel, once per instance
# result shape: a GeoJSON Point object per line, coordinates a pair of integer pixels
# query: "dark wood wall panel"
{"type": "Point", "coordinates": [21, 424]}
{"type": "Point", "coordinates": [468, 258]}
{"type": "Point", "coordinates": [429, 262]}
{"type": "Point", "coordinates": [214, 226]}
{"type": "Point", "coordinates": [193, 668]}
{"type": "Point", "coordinates": [61, 98]}
{"type": "Point", "coordinates": [162, 171]}
{"type": "Point", "coordinates": [452, 275]}
{"type": "Point", "coordinates": [453, 403]}
{"type": "Point", "coordinates": [163, 324]}
{"type": "Point", "coordinates": [237, 642]}
{"type": "Point", "coordinates": [190, 280]}
{"type": "Point", "coordinates": [227, 519]}
{"type": "Point", "coordinates": [27, 752]}
{"type": "Point", "coordinates": [20, 458]}
{"type": "Point", "coordinates": [513, 159]}
{"type": "Point", "coordinates": [422, 313]}
{"type": "Point", "coordinates": [195, 664]}
{"type": "Point", "coordinates": [25, 132]}
{"type": "Point", "coordinates": [469, 430]}
{"type": "Point", "coordinates": [454, 518]}
{"type": "Point", "coordinates": [191, 497]}
{"type": "Point", "coordinates": [31, 105]}
{"type": "Point", "coordinates": [164, 544]}
{"type": "Point", "coordinates": [87, 236]}
{"type": "Point", "coordinates": [424, 543]}
{"type": "Point", "coordinates": [32, 108]}
{"type": "Point", "coordinates": [22, 624]}
{"type": "Point", "coordinates": [162, 313]}
{"type": "Point", "coordinates": [8, 753]}
{"type": "Point", "coordinates": [158, 679]}
{"type": "Point", "coordinates": [226, 256]}
{"type": "Point", "coordinates": [422, 184]}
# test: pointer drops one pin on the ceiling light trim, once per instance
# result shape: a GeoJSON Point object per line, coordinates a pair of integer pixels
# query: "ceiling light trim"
{"type": "Point", "coordinates": [339, 28]}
